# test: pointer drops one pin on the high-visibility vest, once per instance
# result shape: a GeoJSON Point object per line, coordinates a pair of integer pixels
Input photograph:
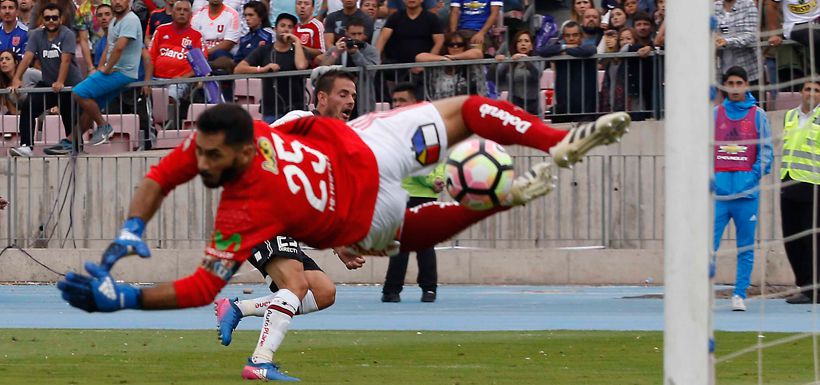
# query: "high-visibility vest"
{"type": "Point", "coordinates": [801, 147]}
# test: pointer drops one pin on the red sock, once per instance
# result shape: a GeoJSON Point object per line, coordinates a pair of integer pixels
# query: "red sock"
{"type": "Point", "coordinates": [504, 123]}
{"type": "Point", "coordinates": [431, 223]}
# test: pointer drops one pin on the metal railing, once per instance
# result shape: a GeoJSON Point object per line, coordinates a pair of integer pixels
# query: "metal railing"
{"type": "Point", "coordinates": [606, 201]}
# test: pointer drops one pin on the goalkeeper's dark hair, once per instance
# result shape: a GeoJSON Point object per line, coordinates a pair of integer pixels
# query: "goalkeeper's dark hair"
{"type": "Point", "coordinates": [235, 121]}
{"type": "Point", "coordinates": [328, 79]}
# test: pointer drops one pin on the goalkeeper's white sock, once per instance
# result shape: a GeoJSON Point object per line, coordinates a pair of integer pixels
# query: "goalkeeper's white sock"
{"type": "Point", "coordinates": [257, 306]}
{"type": "Point", "coordinates": [277, 320]}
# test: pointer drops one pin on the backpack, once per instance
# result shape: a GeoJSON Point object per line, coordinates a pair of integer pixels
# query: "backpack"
{"type": "Point", "coordinates": [547, 30]}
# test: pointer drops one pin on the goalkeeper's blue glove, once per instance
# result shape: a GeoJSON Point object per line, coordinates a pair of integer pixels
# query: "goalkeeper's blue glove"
{"type": "Point", "coordinates": [98, 292]}
{"type": "Point", "coordinates": [128, 242]}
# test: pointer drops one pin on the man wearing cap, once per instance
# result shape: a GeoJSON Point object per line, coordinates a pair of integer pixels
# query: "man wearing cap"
{"type": "Point", "coordinates": [281, 94]}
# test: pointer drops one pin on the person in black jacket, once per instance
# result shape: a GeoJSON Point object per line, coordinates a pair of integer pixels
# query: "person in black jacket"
{"type": "Point", "coordinates": [575, 80]}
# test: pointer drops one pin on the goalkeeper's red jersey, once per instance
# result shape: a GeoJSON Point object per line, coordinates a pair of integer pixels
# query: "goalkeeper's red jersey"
{"type": "Point", "coordinates": [313, 179]}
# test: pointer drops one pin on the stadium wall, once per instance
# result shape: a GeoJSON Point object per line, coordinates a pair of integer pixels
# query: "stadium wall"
{"type": "Point", "coordinates": [504, 250]}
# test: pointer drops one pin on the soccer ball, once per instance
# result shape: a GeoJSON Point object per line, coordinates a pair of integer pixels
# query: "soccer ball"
{"type": "Point", "coordinates": [479, 174]}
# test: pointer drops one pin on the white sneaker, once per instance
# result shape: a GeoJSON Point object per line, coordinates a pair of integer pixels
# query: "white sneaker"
{"type": "Point", "coordinates": [539, 181]}
{"type": "Point", "coordinates": [737, 303]}
{"type": "Point", "coordinates": [586, 136]}
{"type": "Point", "coordinates": [21, 151]}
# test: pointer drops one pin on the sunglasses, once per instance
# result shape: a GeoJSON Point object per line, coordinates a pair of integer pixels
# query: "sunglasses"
{"type": "Point", "coordinates": [455, 45]}
{"type": "Point", "coordinates": [51, 18]}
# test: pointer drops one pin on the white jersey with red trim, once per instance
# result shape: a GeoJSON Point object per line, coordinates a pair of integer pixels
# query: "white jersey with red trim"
{"type": "Point", "coordinates": [225, 26]}
{"type": "Point", "coordinates": [311, 34]}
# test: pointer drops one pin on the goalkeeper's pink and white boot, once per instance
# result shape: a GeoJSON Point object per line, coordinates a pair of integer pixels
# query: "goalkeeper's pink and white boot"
{"type": "Point", "coordinates": [536, 182]}
{"type": "Point", "coordinates": [586, 136]}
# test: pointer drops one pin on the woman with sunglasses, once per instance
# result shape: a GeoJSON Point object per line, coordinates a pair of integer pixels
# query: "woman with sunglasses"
{"type": "Point", "coordinates": [524, 78]}
{"type": "Point", "coordinates": [451, 80]}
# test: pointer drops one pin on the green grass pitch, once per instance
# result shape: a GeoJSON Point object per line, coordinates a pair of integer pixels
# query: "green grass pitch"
{"type": "Point", "coordinates": [48, 356]}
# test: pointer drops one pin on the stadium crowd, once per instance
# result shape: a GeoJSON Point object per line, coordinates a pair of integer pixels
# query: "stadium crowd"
{"type": "Point", "coordinates": [252, 37]}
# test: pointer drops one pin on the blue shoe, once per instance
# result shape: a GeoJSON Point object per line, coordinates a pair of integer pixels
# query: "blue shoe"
{"type": "Point", "coordinates": [227, 317]}
{"type": "Point", "coordinates": [63, 148]}
{"type": "Point", "coordinates": [267, 371]}
{"type": "Point", "coordinates": [101, 135]}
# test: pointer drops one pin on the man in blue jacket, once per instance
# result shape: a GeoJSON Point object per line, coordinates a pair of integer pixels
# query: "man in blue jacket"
{"type": "Point", "coordinates": [743, 154]}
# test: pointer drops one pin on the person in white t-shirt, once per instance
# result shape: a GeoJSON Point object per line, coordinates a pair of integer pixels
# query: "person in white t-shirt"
{"type": "Point", "coordinates": [798, 16]}
{"type": "Point", "coordinates": [219, 25]}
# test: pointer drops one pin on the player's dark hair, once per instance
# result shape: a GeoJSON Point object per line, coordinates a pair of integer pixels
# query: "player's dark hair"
{"type": "Point", "coordinates": [230, 118]}
{"type": "Point", "coordinates": [736, 71]}
{"type": "Point", "coordinates": [407, 86]}
{"type": "Point", "coordinates": [328, 79]}
{"type": "Point", "coordinates": [261, 9]}
{"type": "Point", "coordinates": [51, 7]}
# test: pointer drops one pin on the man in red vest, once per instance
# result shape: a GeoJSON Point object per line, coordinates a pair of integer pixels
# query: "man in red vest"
{"type": "Point", "coordinates": [743, 154]}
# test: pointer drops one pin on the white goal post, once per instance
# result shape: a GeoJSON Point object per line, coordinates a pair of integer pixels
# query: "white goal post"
{"type": "Point", "coordinates": [688, 212]}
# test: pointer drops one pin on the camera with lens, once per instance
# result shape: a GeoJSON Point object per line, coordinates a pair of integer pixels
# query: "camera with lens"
{"type": "Point", "coordinates": [354, 43]}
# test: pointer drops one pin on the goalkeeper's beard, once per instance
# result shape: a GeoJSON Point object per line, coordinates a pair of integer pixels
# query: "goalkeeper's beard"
{"type": "Point", "coordinates": [228, 174]}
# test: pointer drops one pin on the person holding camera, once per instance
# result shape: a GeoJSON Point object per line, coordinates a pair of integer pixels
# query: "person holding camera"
{"type": "Point", "coordinates": [285, 93]}
{"type": "Point", "coordinates": [353, 50]}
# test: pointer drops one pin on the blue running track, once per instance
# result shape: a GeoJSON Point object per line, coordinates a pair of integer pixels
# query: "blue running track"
{"type": "Point", "coordinates": [463, 308]}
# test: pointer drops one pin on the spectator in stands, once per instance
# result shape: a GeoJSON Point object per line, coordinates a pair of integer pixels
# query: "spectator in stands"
{"type": "Point", "coordinates": [736, 37]}
{"type": "Point", "coordinates": [219, 26]}
{"type": "Point", "coordinates": [158, 17]}
{"type": "Point", "coordinates": [13, 35]}
{"type": "Point", "coordinates": [643, 86]}
{"type": "Point", "coordinates": [12, 102]}
{"type": "Point", "coordinates": [123, 55]}
{"type": "Point", "coordinates": [421, 189]}
{"type": "Point", "coordinates": [282, 94]}
{"type": "Point", "coordinates": [474, 18]}
{"type": "Point", "coordinates": [24, 12]}
{"type": "Point", "coordinates": [410, 32]}
{"type": "Point", "coordinates": [355, 51]}
{"type": "Point", "coordinates": [660, 12]}
{"type": "Point", "coordinates": [310, 31]}
{"type": "Point", "coordinates": [797, 18]}
{"type": "Point", "coordinates": [260, 32]}
{"type": "Point", "coordinates": [53, 46]}
{"type": "Point", "coordinates": [67, 6]}
{"type": "Point", "coordinates": [579, 7]}
{"type": "Point", "coordinates": [84, 28]}
{"type": "Point", "coordinates": [371, 9]}
{"type": "Point", "coordinates": [452, 80]}
{"type": "Point", "coordinates": [104, 16]}
{"type": "Point", "coordinates": [169, 56]}
{"type": "Point", "coordinates": [613, 89]}
{"type": "Point", "coordinates": [742, 156]}
{"type": "Point", "coordinates": [614, 19]}
{"type": "Point", "coordinates": [336, 22]}
{"type": "Point", "coordinates": [799, 193]}
{"type": "Point", "coordinates": [406, 34]}
{"type": "Point", "coordinates": [394, 6]}
{"type": "Point", "coordinates": [278, 7]}
{"type": "Point", "coordinates": [525, 78]}
{"type": "Point", "coordinates": [575, 80]}
{"type": "Point", "coordinates": [592, 27]}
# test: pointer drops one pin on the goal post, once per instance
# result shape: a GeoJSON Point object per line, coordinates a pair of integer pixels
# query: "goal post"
{"type": "Point", "coordinates": [688, 219]}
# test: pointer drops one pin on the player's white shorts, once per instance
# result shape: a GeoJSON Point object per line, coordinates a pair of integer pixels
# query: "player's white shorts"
{"type": "Point", "coordinates": [406, 141]}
